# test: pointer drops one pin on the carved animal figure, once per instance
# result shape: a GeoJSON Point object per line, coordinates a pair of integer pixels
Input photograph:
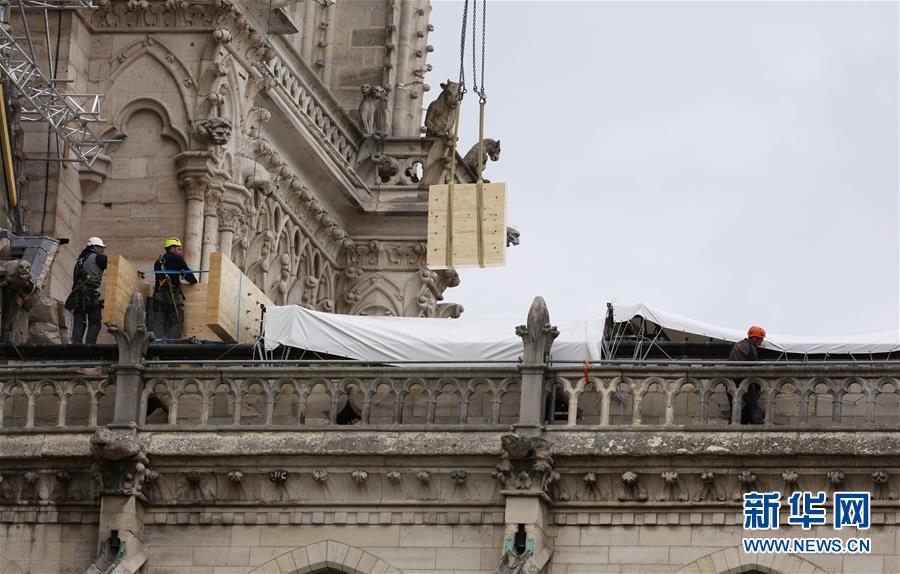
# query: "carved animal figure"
{"type": "Point", "coordinates": [373, 110]}
{"type": "Point", "coordinates": [491, 150]}
{"type": "Point", "coordinates": [512, 236]}
{"type": "Point", "coordinates": [19, 296]}
{"type": "Point", "coordinates": [111, 445]}
{"type": "Point", "coordinates": [215, 131]}
{"type": "Point", "coordinates": [441, 115]}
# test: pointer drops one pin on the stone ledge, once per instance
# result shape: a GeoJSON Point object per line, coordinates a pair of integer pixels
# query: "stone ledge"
{"type": "Point", "coordinates": [606, 441]}
{"type": "Point", "coordinates": [417, 441]}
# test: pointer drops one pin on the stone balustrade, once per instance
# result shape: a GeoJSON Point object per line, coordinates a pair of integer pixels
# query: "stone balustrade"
{"type": "Point", "coordinates": [304, 395]}
{"type": "Point", "coordinates": [38, 396]}
{"type": "Point", "coordinates": [803, 395]}
{"type": "Point", "coordinates": [628, 396]}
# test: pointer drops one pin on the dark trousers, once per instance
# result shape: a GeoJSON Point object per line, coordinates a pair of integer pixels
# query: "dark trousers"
{"type": "Point", "coordinates": [92, 318]}
{"type": "Point", "coordinates": [167, 318]}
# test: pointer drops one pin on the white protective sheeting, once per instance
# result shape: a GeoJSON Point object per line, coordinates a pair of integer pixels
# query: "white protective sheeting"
{"type": "Point", "coordinates": [390, 339]}
{"type": "Point", "coordinates": [881, 342]}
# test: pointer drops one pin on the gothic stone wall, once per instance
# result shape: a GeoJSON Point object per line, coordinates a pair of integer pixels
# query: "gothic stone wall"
{"type": "Point", "coordinates": [47, 547]}
{"type": "Point", "coordinates": [281, 199]}
{"type": "Point", "coordinates": [701, 543]}
{"type": "Point", "coordinates": [241, 548]}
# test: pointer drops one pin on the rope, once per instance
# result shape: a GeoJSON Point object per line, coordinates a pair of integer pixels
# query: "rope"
{"type": "Point", "coordinates": [450, 187]}
{"type": "Point", "coordinates": [240, 292]}
{"type": "Point", "coordinates": [479, 188]}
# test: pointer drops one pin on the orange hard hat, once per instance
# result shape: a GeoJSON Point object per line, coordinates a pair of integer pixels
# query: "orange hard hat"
{"type": "Point", "coordinates": [755, 331]}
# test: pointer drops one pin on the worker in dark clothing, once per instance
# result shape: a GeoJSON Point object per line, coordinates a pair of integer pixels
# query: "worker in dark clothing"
{"type": "Point", "coordinates": [168, 300]}
{"type": "Point", "coordinates": [85, 300]}
{"type": "Point", "coordinates": [745, 350]}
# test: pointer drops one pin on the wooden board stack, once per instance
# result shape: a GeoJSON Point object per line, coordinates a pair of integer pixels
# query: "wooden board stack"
{"type": "Point", "coordinates": [464, 218]}
{"type": "Point", "coordinates": [119, 282]}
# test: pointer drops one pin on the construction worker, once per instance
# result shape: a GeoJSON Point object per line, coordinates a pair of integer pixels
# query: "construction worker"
{"type": "Point", "coordinates": [168, 300]}
{"type": "Point", "coordinates": [745, 350]}
{"type": "Point", "coordinates": [85, 300]}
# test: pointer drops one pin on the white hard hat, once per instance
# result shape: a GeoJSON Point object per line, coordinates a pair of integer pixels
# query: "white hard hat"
{"type": "Point", "coordinates": [95, 242]}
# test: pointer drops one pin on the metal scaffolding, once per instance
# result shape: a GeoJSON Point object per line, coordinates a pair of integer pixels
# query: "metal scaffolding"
{"type": "Point", "coordinates": [68, 115]}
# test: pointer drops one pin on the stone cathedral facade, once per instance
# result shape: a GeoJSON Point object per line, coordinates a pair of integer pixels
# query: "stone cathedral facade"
{"type": "Point", "coordinates": [287, 135]}
{"type": "Point", "coordinates": [288, 139]}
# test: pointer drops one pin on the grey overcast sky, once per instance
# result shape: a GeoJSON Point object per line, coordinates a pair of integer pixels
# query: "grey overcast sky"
{"type": "Point", "coordinates": [733, 162]}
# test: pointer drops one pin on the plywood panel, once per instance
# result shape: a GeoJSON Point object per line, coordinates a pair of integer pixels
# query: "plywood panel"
{"type": "Point", "coordinates": [224, 307]}
{"type": "Point", "coordinates": [464, 218]}
{"type": "Point", "coordinates": [195, 312]}
{"type": "Point", "coordinates": [233, 302]}
{"type": "Point", "coordinates": [120, 281]}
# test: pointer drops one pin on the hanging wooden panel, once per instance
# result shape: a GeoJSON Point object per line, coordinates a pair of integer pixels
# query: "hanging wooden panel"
{"type": "Point", "coordinates": [464, 218]}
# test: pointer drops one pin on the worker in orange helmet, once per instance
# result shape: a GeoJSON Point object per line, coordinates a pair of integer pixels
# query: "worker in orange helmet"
{"type": "Point", "coordinates": [745, 350]}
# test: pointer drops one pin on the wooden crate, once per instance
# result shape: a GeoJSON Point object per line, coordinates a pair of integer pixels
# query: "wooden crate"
{"type": "Point", "coordinates": [224, 307]}
{"type": "Point", "coordinates": [120, 281]}
{"type": "Point", "coordinates": [195, 312]}
{"type": "Point", "coordinates": [465, 241]}
{"type": "Point", "coordinates": [233, 302]}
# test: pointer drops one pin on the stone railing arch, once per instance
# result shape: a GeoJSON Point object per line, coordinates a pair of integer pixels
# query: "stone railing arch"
{"type": "Point", "coordinates": [734, 561]}
{"type": "Point", "coordinates": [326, 555]}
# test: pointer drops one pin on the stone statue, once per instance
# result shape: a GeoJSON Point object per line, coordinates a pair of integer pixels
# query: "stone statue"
{"type": "Point", "coordinates": [373, 110]}
{"type": "Point", "coordinates": [132, 338]}
{"type": "Point", "coordinates": [526, 464]}
{"type": "Point", "coordinates": [513, 563]}
{"type": "Point", "coordinates": [441, 115]}
{"type": "Point", "coordinates": [114, 445]}
{"type": "Point", "coordinates": [512, 236]}
{"type": "Point", "coordinates": [214, 131]}
{"type": "Point", "coordinates": [19, 295]}
{"type": "Point", "coordinates": [491, 150]}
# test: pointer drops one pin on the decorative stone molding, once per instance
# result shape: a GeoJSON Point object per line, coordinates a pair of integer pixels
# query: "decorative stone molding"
{"type": "Point", "coordinates": [526, 464]}
{"type": "Point", "coordinates": [538, 334]}
{"type": "Point", "coordinates": [320, 556]}
{"type": "Point", "coordinates": [132, 338]}
{"type": "Point", "coordinates": [742, 562]}
{"type": "Point", "coordinates": [791, 482]}
{"type": "Point", "coordinates": [631, 488]}
{"type": "Point", "coordinates": [121, 459]}
{"type": "Point", "coordinates": [709, 490]}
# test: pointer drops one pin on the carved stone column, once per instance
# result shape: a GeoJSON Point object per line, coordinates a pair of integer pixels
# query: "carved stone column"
{"type": "Point", "coordinates": [132, 339]}
{"type": "Point", "coordinates": [194, 189]}
{"type": "Point", "coordinates": [537, 336]}
{"type": "Point", "coordinates": [526, 466]}
{"type": "Point", "coordinates": [198, 173]}
{"type": "Point", "coordinates": [229, 220]}
{"type": "Point", "coordinates": [210, 224]}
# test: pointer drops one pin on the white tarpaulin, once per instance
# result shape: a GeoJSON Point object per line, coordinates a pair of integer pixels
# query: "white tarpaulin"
{"type": "Point", "coordinates": [386, 339]}
{"type": "Point", "coordinates": [882, 342]}
{"type": "Point", "coordinates": [389, 339]}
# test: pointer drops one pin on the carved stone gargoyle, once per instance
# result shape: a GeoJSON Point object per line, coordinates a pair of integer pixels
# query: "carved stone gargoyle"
{"type": "Point", "coordinates": [491, 150]}
{"type": "Point", "coordinates": [513, 563]}
{"type": "Point", "coordinates": [538, 335]}
{"type": "Point", "coordinates": [121, 462]}
{"type": "Point", "coordinates": [526, 464]}
{"type": "Point", "coordinates": [133, 337]}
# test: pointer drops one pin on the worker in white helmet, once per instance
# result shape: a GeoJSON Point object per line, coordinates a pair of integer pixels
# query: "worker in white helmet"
{"type": "Point", "coordinates": [85, 300]}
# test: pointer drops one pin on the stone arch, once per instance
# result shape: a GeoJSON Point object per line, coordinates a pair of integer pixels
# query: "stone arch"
{"type": "Point", "coordinates": [735, 561]}
{"type": "Point", "coordinates": [167, 61]}
{"type": "Point", "coordinates": [327, 556]}
{"type": "Point", "coordinates": [169, 130]}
